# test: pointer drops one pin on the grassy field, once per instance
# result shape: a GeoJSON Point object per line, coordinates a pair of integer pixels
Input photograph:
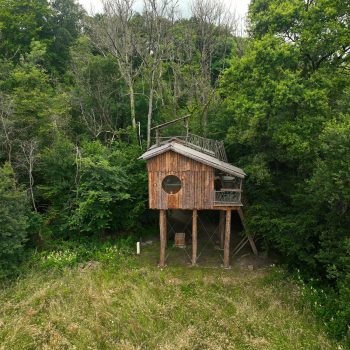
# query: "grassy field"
{"type": "Point", "coordinates": [132, 304]}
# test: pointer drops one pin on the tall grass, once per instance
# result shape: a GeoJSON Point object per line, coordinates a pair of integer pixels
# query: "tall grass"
{"type": "Point", "coordinates": [126, 304]}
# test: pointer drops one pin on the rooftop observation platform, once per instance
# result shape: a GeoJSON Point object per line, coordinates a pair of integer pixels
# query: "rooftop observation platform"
{"type": "Point", "coordinates": [210, 147]}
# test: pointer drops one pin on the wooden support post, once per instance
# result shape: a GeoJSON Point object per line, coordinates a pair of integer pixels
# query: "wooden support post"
{"type": "Point", "coordinates": [227, 239]}
{"type": "Point", "coordinates": [222, 229]}
{"type": "Point", "coordinates": [194, 237]}
{"type": "Point", "coordinates": [163, 234]}
{"type": "Point", "coordinates": [166, 228]}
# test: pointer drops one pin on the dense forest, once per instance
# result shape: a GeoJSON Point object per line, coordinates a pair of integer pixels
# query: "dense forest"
{"type": "Point", "coordinates": [80, 93]}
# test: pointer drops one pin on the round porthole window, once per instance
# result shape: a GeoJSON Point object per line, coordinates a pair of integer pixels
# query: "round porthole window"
{"type": "Point", "coordinates": [171, 184]}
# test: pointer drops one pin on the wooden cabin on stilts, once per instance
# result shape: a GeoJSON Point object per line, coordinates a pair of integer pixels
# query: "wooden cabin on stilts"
{"type": "Point", "coordinates": [192, 173]}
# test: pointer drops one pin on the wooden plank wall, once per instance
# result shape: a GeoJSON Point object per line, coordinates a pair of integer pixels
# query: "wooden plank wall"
{"type": "Point", "coordinates": [197, 182]}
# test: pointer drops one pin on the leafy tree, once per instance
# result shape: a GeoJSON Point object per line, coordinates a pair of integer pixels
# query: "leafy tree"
{"type": "Point", "coordinates": [102, 188]}
{"type": "Point", "coordinates": [55, 23]}
{"type": "Point", "coordinates": [55, 191]}
{"type": "Point", "coordinates": [99, 95]}
{"type": "Point", "coordinates": [38, 111]}
{"type": "Point", "coordinates": [66, 23]}
{"type": "Point", "coordinates": [21, 22]}
{"type": "Point", "coordinates": [13, 221]}
{"type": "Point", "coordinates": [281, 104]}
{"type": "Point", "coordinates": [286, 114]}
{"type": "Point", "coordinates": [38, 107]}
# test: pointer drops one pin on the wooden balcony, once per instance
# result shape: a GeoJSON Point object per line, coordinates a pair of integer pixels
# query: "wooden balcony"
{"type": "Point", "coordinates": [228, 197]}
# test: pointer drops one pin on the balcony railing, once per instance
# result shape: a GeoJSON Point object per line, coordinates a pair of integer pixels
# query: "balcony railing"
{"type": "Point", "coordinates": [211, 147]}
{"type": "Point", "coordinates": [227, 197]}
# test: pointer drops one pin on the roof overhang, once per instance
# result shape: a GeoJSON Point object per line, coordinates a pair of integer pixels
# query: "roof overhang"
{"type": "Point", "coordinates": [195, 155]}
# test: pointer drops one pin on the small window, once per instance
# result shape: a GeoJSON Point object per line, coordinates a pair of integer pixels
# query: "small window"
{"type": "Point", "coordinates": [171, 184]}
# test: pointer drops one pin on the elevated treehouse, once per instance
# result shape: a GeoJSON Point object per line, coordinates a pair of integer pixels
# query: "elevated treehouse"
{"type": "Point", "coordinates": [192, 173]}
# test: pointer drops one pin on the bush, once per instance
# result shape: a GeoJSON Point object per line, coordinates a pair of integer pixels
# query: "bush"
{"type": "Point", "coordinates": [13, 221]}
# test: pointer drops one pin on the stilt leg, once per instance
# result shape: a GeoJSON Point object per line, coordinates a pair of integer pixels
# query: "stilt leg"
{"type": "Point", "coordinates": [166, 229]}
{"type": "Point", "coordinates": [194, 237]}
{"type": "Point", "coordinates": [227, 240]}
{"type": "Point", "coordinates": [163, 234]}
{"type": "Point", "coordinates": [222, 228]}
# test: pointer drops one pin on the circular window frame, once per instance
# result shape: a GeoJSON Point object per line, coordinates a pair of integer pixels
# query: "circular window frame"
{"type": "Point", "coordinates": [176, 186]}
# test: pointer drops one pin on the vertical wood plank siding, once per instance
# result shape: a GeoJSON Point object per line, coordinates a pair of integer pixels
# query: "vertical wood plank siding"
{"type": "Point", "coordinates": [197, 182]}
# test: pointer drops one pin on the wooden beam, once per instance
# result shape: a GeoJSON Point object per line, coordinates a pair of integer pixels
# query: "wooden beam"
{"type": "Point", "coordinates": [194, 237]}
{"type": "Point", "coordinates": [170, 122]}
{"type": "Point", "coordinates": [227, 240]}
{"type": "Point", "coordinates": [224, 207]}
{"type": "Point", "coordinates": [252, 245]}
{"type": "Point", "coordinates": [250, 238]}
{"type": "Point", "coordinates": [240, 246]}
{"type": "Point", "coordinates": [162, 228]}
{"type": "Point", "coordinates": [222, 229]}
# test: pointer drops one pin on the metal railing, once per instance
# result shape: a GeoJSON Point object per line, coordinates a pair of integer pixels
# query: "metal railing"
{"type": "Point", "coordinates": [213, 148]}
{"type": "Point", "coordinates": [232, 197]}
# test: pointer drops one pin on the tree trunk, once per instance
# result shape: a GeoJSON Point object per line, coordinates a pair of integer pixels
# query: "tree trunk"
{"type": "Point", "coordinates": [205, 120]}
{"type": "Point", "coordinates": [150, 110]}
{"type": "Point", "coordinates": [132, 105]}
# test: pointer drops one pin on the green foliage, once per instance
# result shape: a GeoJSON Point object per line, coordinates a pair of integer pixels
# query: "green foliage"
{"type": "Point", "coordinates": [13, 221]}
{"type": "Point", "coordinates": [102, 184]}
{"type": "Point", "coordinates": [38, 108]}
{"type": "Point", "coordinates": [109, 196]}
{"type": "Point", "coordinates": [56, 188]}
{"type": "Point", "coordinates": [20, 23]}
{"type": "Point", "coordinates": [58, 168]}
{"type": "Point", "coordinates": [92, 188]}
{"type": "Point", "coordinates": [54, 23]}
{"type": "Point", "coordinates": [66, 23]}
{"type": "Point", "coordinates": [330, 305]}
{"type": "Point", "coordinates": [290, 131]}
{"type": "Point", "coordinates": [98, 93]}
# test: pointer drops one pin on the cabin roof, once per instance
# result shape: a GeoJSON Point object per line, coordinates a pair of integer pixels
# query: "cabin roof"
{"type": "Point", "coordinates": [191, 153]}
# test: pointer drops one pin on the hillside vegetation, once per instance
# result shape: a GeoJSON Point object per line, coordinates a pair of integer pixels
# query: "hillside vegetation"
{"type": "Point", "coordinates": [80, 93]}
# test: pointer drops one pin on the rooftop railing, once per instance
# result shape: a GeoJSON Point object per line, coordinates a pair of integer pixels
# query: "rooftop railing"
{"type": "Point", "coordinates": [211, 147]}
